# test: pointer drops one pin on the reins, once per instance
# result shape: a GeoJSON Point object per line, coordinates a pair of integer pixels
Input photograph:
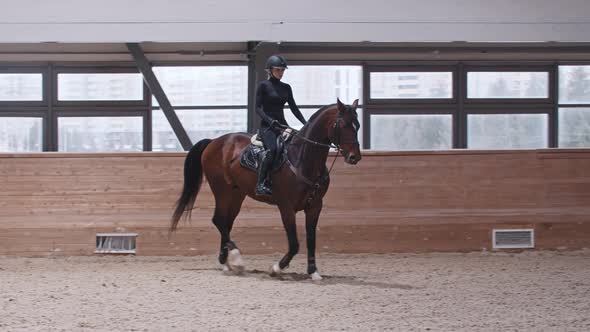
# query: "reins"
{"type": "Point", "coordinates": [322, 178]}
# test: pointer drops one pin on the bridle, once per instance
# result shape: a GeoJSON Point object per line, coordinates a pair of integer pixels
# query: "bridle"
{"type": "Point", "coordinates": [336, 128]}
{"type": "Point", "coordinates": [336, 142]}
{"type": "Point", "coordinates": [336, 139]}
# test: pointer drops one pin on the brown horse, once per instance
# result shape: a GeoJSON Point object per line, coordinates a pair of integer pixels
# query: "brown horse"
{"type": "Point", "coordinates": [300, 183]}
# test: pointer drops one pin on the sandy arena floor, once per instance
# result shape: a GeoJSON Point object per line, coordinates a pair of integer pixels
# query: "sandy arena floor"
{"type": "Point", "coordinates": [531, 291]}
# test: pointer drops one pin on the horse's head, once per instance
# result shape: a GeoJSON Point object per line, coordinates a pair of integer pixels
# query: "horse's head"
{"type": "Point", "coordinates": [345, 132]}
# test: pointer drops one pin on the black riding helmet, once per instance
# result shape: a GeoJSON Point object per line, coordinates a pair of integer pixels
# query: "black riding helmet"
{"type": "Point", "coordinates": [276, 61]}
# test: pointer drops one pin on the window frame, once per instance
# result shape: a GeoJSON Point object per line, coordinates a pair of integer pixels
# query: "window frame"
{"type": "Point", "coordinates": [557, 105]}
{"type": "Point", "coordinates": [201, 107]}
{"type": "Point", "coordinates": [409, 106]}
{"type": "Point", "coordinates": [361, 98]}
{"type": "Point", "coordinates": [49, 109]}
{"type": "Point", "coordinates": [517, 105]}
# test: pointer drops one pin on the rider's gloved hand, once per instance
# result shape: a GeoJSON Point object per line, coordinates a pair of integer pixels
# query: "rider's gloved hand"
{"type": "Point", "coordinates": [274, 124]}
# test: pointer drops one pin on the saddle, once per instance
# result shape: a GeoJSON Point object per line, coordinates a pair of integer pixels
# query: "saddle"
{"type": "Point", "coordinates": [253, 153]}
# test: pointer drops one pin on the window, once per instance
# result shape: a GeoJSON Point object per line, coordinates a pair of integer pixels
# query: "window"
{"type": "Point", "coordinates": [409, 108]}
{"type": "Point", "coordinates": [21, 86]}
{"type": "Point", "coordinates": [507, 131]}
{"type": "Point", "coordinates": [574, 106]}
{"type": "Point", "coordinates": [508, 107]}
{"type": "Point", "coordinates": [574, 84]}
{"type": "Point", "coordinates": [204, 86]}
{"type": "Point", "coordinates": [322, 85]}
{"type": "Point", "coordinates": [411, 132]}
{"type": "Point", "coordinates": [403, 106]}
{"type": "Point", "coordinates": [22, 109]}
{"type": "Point", "coordinates": [574, 127]}
{"type": "Point", "coordinates": [99, 109]}
{"type": "Point", "coordinates": [21, 134]}
{"type": "Point", "coordinates": [209, 101]}
{"type": "Point", "coordinates": [100, 134]}
{"type": "Point", "coordinates": [199, 123]}
{"type": "Point", "coordinates": [507, 85]}
{"type": "Point", "coordinates": [411, 85]}
{"type": "Point", "coordinates": [99, 86]}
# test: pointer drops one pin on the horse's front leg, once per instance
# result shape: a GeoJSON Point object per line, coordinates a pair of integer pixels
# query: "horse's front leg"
{"type": "Point", "coordinates": [288, 217]}
{"type": "Point", "coordinates": [312, 214]}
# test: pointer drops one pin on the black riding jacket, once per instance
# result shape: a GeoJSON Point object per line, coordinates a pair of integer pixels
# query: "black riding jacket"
{"type": "Point", "coordinates": [271, 96]}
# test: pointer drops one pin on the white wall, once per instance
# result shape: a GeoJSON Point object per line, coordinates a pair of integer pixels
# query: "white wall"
{"type": "Point", "coordinates": [294, 20]}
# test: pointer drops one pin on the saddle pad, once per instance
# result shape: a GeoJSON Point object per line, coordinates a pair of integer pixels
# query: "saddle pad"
{"type": "Point", "coordinates": [251, 156]}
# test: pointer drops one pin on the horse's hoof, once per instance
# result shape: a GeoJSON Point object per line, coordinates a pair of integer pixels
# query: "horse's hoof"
{"type": "Point", "coordinates": [316, 276]}
{"type": "Point", "coordinates": [225, 269]}
{"type": "Point", "coordinates": [275, 270]}
{"type": "Point", "coordinates": [235, 261]}
{"type": "Point", "coordinates": [238, 269]}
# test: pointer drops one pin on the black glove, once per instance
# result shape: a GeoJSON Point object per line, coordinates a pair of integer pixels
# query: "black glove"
{"type": "Point", "coordinates": [274, 124]}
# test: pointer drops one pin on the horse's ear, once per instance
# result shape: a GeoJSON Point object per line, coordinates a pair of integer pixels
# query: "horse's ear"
{"type": "Point", "coordinates": [355, 103]}
{"type": "Point", "coordinates": [340, 105]}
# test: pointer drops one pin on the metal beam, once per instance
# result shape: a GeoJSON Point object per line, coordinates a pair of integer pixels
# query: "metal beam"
{"type": "Point", "coordinates": [154, 85]}
{"type": "Point", "coordinates": [258, 54]}
{"type": "Point", "coordinates": [51, 122]}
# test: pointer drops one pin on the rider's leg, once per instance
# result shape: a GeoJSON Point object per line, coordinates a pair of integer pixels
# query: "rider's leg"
{"type": "Point", "coordinates": [263, 186]}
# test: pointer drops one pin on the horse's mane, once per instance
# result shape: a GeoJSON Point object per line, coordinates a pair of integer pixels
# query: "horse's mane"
{"type": "Point", "coordinates": [318, 112]}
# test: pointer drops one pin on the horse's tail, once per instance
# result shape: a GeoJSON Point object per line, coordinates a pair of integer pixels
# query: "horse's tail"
{"type": "Point", "coordinates": [193, 177]}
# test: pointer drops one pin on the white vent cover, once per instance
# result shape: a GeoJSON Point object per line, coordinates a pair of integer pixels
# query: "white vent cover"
{"type": "Point", "coordinates": [115, 243]}
{"type": "Point", "coordinates": [513, 238]}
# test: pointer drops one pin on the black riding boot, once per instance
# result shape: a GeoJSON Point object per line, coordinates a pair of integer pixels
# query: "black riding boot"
{"type": "Point", "coordinates": [263, 184]}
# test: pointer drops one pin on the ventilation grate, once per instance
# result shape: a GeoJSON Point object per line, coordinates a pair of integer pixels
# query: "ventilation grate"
{"type": "Point", "coordinates": [513, 238]}
{"type": "Point", "coordinates": [115, 243]}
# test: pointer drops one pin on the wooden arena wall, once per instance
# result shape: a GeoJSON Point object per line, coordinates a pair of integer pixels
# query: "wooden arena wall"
{"type": "Point", "coordinates": [55, 203]}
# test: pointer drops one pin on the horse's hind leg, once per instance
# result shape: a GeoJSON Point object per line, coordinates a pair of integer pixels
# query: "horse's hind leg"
{"type": "Point", "coordinates": [227, 206]}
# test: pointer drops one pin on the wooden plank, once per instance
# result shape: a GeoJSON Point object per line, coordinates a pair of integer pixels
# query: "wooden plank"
{"type": "Point", "coordinates": [72, 195]}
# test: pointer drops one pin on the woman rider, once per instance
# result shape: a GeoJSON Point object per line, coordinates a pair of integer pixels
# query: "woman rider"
{"type": "Point", "coordinates": [271, 96]}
